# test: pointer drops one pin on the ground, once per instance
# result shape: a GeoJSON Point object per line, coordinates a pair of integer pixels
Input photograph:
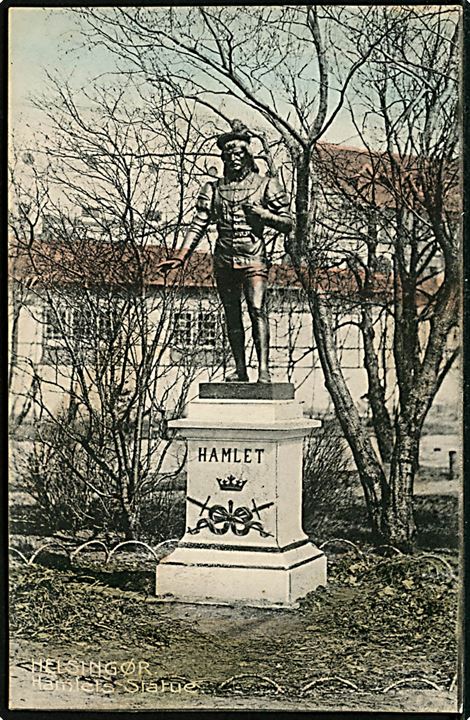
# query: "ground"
{"type": "Point", "coordinates": [381, 635]}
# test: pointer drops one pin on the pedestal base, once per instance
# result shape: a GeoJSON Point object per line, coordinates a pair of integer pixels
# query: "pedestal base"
{"type": "Point", "coordinates": [256, 578]}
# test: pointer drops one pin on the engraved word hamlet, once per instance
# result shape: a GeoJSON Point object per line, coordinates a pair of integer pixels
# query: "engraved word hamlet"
{"type": "Point", "coordinates": [233, 455]}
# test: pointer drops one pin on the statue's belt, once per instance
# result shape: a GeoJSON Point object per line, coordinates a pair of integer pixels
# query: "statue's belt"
{"type": "Point", "coordinates": [224, 260]}
{"type": "Point", "coordinates": [224, 256]}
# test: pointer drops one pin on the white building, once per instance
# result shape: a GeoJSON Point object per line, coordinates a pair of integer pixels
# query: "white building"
{"type": "Point", "coordinates": [56, 316]}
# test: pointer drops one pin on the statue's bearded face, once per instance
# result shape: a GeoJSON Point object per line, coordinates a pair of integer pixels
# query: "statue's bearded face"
{"type": "Point", "coordinates": [237, 158]}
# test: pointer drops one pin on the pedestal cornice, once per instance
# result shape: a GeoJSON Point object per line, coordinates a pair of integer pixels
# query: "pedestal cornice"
{"type": "Point", "coordinates": [191, 427]}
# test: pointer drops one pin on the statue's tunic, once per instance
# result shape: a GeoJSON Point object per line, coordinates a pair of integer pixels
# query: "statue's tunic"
{"type": "Point", "coordinates": [240, 242]}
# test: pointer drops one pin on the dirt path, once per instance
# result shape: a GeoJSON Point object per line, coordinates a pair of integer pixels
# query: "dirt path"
{"type": "Point", "coordinates": [278, 652]}
{"type": "Point", "coordinates": [380, 637]}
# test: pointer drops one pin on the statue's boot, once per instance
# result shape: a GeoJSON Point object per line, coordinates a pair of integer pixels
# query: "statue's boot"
{"type": "Point", "coordinates": [261, 341]}
{"type": "Point", "coordinates": [237, 343]}
{"type": "Point", "coordinates": [264, 376]}
{"type": "Point", "coordinates": [237, 376]}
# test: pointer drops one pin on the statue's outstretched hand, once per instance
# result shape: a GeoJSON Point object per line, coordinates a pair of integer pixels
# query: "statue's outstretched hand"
{"type": "Point", "coordinates": [167, 266]}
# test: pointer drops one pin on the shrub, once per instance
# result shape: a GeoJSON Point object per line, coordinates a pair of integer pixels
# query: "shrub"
{"type": "Point", "coordinates": [327, 478]}
{"type": "Point", "coordinates": [65, 502]}
{"type": "Point", "coordinates": [162, 515]}
{"type": "Point", "coordinates": [74, 494]}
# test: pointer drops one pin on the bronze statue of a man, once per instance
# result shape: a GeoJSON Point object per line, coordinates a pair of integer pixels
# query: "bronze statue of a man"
{"type": "Point", "coordinates": [242, 204]}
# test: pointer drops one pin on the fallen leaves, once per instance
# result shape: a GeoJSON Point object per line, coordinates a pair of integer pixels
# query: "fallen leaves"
{"type": "Point", "coordinates": [380, 623]}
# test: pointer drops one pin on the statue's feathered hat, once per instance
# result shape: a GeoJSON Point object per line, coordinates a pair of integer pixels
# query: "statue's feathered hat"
{"type": "Point", "coordinates": [239, 131]}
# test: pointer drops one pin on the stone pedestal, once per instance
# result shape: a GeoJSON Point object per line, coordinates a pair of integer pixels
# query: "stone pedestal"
{"type": "Point", "coordinates": [244, 540]}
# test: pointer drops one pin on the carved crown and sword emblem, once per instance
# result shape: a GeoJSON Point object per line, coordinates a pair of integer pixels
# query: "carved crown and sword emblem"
{"type": "Point", "coordinates": [220, 519]}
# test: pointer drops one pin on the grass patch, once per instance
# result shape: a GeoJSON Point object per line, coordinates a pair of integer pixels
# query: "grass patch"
{"type": "Point", "coordinates": [436, 517]}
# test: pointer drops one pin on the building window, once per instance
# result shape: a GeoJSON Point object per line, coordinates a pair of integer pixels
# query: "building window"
{"type": "Point", "coordinates": [207, 329]}
{"type": "Point", "coordinates": [58, 335]}
{"type": "Point", "coordinates": [183, 328]}
{"type": "Point", "coordinates": [58, 321]}
{"type": "Point", "coordinates": [198, 339]}
{"type": "Point", "coordinates": [73, 334]}
{"type": "Point", "coordinates": [196, 329]}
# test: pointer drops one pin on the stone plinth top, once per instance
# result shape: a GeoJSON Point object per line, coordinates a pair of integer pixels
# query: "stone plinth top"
{"type": "Point", "coordinates": [280, 430]}
{"type": "Point", "coordinates": [246, 391]}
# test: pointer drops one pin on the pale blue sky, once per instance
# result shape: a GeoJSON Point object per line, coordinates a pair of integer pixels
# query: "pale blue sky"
{"type": "Point", "coordinates": [49, 40]}
{"type": "Point", "coordinates": [46, 40]}
{"type": "Point", "coordinates": [39, 39]}
{"type": "Point", "coordinates": [34, 46]}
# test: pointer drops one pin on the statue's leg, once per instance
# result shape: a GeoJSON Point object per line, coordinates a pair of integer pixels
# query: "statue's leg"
{"type": "Point", "coordinates": [255, 285]}
{"type": "Point", "coordinates": [229, 285]}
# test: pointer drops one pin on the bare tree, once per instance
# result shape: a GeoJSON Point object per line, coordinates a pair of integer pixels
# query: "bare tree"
{"type": "Point", "coordinates": [29, 206]}
{"type": "Point", "coordinates": [111, 178]}
{"type": "Point", "coordinates": [295, 68]}
{"type": "Point", "coordinates": [400, 205]}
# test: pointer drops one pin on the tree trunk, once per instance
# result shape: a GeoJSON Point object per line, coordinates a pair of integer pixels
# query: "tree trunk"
{"type": "Point", "coordinates": [131, 520]}
{"type": "Point", "coordinates": [397, 522]}
{"type": "Point", "coordinates": [376, 392]}
{"type": "Point", "coordinates": [298, 246]}
{"type": "Point", "coordinates": [370, 471]}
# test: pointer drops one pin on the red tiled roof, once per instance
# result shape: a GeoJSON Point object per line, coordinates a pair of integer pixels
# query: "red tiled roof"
{"type": "Point", "coordinates": [358, 172]}
{"type": "Point", "coordinates": [369, 177]}
{"type": "Point", "coordinates": [102, 263]}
